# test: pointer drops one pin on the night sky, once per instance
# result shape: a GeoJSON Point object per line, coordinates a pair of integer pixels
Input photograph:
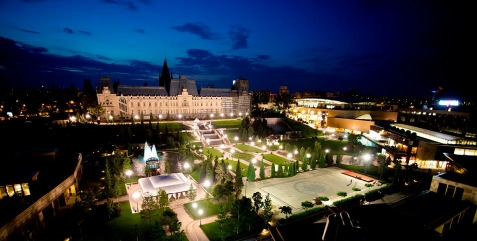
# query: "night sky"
{"type": "Point", "coordinates": [386, 48]}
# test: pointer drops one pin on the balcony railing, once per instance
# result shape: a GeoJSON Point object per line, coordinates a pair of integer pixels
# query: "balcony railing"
{"type": "Point", "coordinates": [40, 204]}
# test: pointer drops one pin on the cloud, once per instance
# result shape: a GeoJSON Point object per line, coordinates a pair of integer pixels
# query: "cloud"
{"type": "Point", "coordinates": [85, 32]}
{"type": "Point", "coordinates": [26, 66]}
{"type": "Point", "coordinates": [262, 57]}
{"type": "Point", "coordinates": [68, 30]}
{"type": "Point", "coordinates": [239, 36]}
{"type": "Point", "coordinates": [28, 31]}
{"type": "Point", "coordinates": [110, 1]}
{"type": "Point", "coordinates": [141, 31]}
{"type": "Point", "coordinates": [131, 6]}
{"type": "Point", "coordinates": [102, 57]}
{"type": "Point", "coordinates": [199, 29]}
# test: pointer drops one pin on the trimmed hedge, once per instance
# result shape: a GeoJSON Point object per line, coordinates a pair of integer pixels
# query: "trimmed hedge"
{"type": "Point", "coordinates": [369, 196]}
{"type": "Point", "coordinates": [349, 201]}
{"type": "Point", "coordinates": [304, 214]}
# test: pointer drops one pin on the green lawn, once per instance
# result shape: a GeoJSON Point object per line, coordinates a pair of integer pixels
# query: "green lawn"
{"type": "Point", "coordinates": [227, 123]}
{"type": "Point", "coordinates": [275, 159]}
{"type": "Point", "coordinates": [214, 232]}
{"type": "Point", "coordinates": [208, 208]}
{"type": "Point", "coordinates": [231, 134]}
{"type": "Point", "coordinates": [243, 156]}
{"type": "Point", "coordinates": [248, 148]}
{"type": "Point", "coordinates": [233, 163]}
{"type": "Point", "coordinates": [124, 226]}
{"type": "Point", "coordinates": [215, 152]}
{"type": "Point", "coordinates": [335, 146]}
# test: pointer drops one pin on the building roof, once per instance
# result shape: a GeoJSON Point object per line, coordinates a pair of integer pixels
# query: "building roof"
{"type": "Point", "coordinates": [215, 92]}
{"type": "Point", "coordinates": [171, 183]}
{"type": "Point", "coordinates": [428, 134]}
{"type": "Point", "coordinates": [468, 163]}
{"type": "Point", "coordinates": [183, 83]}
{"type": "Point", "coordinates": [127, 90]}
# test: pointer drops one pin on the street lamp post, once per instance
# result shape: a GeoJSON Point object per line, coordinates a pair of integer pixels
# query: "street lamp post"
{"type": "Point", "coordinates": [128, 173]}
{"type": "Point", "coordinates": [200, 217]}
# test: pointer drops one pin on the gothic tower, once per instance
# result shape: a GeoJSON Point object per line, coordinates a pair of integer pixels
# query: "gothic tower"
{"type": "Point", "coordinates": [165, 77]}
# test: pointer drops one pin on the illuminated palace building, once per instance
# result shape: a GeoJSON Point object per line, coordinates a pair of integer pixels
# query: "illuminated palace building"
{"type": "Point", "coordinates": [173, 99]}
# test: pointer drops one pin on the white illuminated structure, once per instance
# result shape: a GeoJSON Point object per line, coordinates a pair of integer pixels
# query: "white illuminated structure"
{"type": "Point", "coordinates": [176, 185]}
{"type": "Point", "coordinates": [150, 153]}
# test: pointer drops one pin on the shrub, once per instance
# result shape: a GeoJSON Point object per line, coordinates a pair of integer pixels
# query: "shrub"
{"type": "Point", "coordinates": [349, 201]}
{"type": "Point", "coordinates": [307, 204]}
{"type": "Point", "coordinates": [368, 185]}
{"type": "Point", "coordinates": [323, 198]}
{"type": "Point", "coordinates": [356, 189]}
{"type": "Point", "coordinates": [342, 194]}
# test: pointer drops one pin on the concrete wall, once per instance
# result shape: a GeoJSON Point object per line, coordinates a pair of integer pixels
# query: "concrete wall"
{"type": "Point", "coordinates": [350, 124]}
{"type": "Point", "coordinates": [470, 192]}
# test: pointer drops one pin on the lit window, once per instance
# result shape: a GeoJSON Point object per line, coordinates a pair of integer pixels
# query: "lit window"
{"type": "Point", "coordinates": [10, 191]}
{"type": "Point", "coordinates": [18, 189]}
{"type": "Point", "coordinates": [3, 192]}
{"type": "Point", "coordinates": [26, 189]}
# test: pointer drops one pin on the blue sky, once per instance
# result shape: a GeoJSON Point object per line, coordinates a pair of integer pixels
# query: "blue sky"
{"type": "Point", "coordinates": [386, 48]}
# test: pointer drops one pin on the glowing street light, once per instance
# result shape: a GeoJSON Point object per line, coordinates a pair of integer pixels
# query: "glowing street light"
{"type": "Point", "coordinates": [129, 173]}
{"type": "Point", "coordinates": [207, 183]}
{"type": "Point", "coordinates": [366, 157]}
{"type": "Point", "coordinates": [200, 217]}
{"type": "Point", "coordinates": [136, 196]}
{"type": "Point", "coordinates": [186, 167]}
{"type": "Point", "coordinates": [254, 160]}
{"type": "Point", "coordinates": [229, 167]}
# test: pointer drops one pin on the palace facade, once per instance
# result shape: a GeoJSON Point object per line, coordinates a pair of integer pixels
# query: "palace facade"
{"type": "Point", "coordinates": [172, 99]}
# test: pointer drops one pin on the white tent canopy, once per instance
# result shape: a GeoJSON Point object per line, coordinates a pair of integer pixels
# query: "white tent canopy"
{"type": "Point", "coordinates": [172, 183]}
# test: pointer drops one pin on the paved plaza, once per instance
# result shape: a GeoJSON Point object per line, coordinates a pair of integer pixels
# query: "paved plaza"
{"type": "Point", "coordinates": [292, 191]}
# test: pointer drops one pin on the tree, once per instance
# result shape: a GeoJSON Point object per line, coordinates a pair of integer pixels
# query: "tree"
{"type": "Point", "coordinates": [280, 170]}
{"type": "Point", "coordinates": [313, 162]}
{"type": "Point", "coordinates": [306, 204]}
{"type": "Point", "coordinates": [238, 179]}
{"type": "Point", "coordinates": [287, 210]}
{"type": "Point", "coordinates": [383, 163]}
{"type": "Point", "coordinates": [272, 170]}
{"type": "Point", "coordinates": [267, 209]}
{"type": "Point", "coordinates": [192, 194]}
{"type": "Point", "coordinates": [321, 160]}
{"type": "Point", "coordinates": [222, 217]}
{"type": "Point", "coordinates": [251, 172]}
{"type": "Point", "coordinates": [220, 171]}
{"type": "Point", "coordinates": [163, 199]}
{"type": "Point", "coordinates": [262, 170]}
{"type": "Point", "coordinates": [149, 209]}
{"type": "Point", "coordinates": [304, 165]}
{"type": "Point", "coordinates": [96, 111]}
{"type": "Point", "coordinates": [257, 201]}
